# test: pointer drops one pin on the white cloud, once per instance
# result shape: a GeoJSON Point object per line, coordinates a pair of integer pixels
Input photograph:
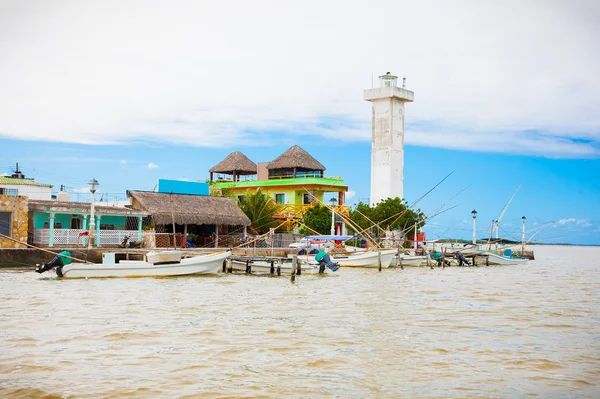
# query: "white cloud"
{"type": "Point", "coordinates": [273, 67]}
{"type": "Point", "coordinates": [152, 165]}
{"type": "Point", "coordinates": [81, 190]}
{"type": "Point", "coordinates": [123, 162]}
{"type": "Point", "coordinates": [350, 194]}
{"type": "Point", "coordinates": [573, 222]}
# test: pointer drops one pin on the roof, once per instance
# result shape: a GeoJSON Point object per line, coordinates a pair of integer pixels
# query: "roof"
{"type": "Point", "coordinates": [21, 182]}
{"type": "Point", "coordinates": [325, 183]}
{"type": "Point", "coordinates": [82, 208]}
{"type": "Point", "coordinates": [190, 209]}
{"type": "Point", "coordinates": [295, 157]}
{"type": "Point", "coordinates": [235, 162]}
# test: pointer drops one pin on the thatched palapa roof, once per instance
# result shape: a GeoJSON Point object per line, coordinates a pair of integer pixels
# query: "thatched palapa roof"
{"type": "Point", "coordinates": [296, 157]}
{"type": "Point", "coordinates": [189, 209]}
{"type": "Point", "coordinates": [235, 162]}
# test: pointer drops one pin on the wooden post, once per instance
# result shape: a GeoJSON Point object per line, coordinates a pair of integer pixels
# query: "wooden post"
{"type": "Point", "coordinates": [379, 259]}
{"type": "Point", "coordinates": [297, 265]}
{"type": "Point", "coordinates": [444, 258]}
{"type": "Point", "coordinates": [230, 266]}
{"type": "Point", "coordinates": [272, 267]}
{"type": "Point", "coordinates": [278, 269]}
{"type": "Point", "coordinates": [224, 265]}
{"type": "Point", "coordinates": [293, 275]}
{"type": "Point", "coordinates": [216, 236]}
{"type": "Point", "coordinates": [248, 267]}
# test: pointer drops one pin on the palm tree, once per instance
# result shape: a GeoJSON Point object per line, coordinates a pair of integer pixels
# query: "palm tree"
{"type": "Point", "coordinates": [260, 209]}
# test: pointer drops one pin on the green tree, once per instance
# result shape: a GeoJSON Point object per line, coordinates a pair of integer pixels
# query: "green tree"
{"type": "Point", "coordinates": [318, 218]}
{"type": "Point", "coordinates": [390, 214]}
{"type": "Point", "coordinates": [260, 209]}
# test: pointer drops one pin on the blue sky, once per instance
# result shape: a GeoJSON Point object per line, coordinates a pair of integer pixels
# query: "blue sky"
{"type": "Point", "coordinates": [128, 92]}
{"type": "Point", "coordinates": [563, 191]}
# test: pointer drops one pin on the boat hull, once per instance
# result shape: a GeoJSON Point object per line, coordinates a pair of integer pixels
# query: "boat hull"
{"type": "Point", "coordinates": [413, 261]}
{"type": "Point", "coordinates": [366, 259]}
{"type": "Point", "coordinates": [495, 259]}
{"type": "Point", "coordinates": [200, 264]}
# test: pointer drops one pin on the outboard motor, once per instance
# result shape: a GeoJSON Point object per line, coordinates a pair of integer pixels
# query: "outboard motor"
{"type": "Point", "coordinates": [60, 260]}
{"type": "Point", "coordinates": [461, 259]}
{"type": "Point", "coordinates": [325, 261]}
{"type": "Point", "coordinates": [125, 243]}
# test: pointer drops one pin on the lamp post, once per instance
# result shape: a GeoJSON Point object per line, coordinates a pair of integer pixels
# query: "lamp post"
{"type": "Point", "coordinates": [523, 234]}
{"type": "Point", "coordinates": [474, 214]}
{"type": "Point", "coordinates": [93, 185]}
{"type": "Point", "coordinates": [333, 201]}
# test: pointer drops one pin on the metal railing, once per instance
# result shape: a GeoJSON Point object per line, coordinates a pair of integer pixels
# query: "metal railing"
{"type": "Point", "coordinates": [297, 210]}
{"type": "Point", "coordinates": [305, 176]}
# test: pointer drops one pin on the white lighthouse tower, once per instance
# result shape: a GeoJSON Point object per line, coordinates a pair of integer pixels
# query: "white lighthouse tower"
{"type": "Point", "coordinates": [387, 153]}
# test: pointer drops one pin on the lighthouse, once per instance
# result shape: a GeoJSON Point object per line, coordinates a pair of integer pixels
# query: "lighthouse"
{"type": "Point", "coordinates": [387, 149]}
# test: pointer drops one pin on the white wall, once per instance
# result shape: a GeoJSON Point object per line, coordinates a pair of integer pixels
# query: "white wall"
{"type": "Point", "coordinates": [387, 152]}
{"type": "Point", "coordinates": [33, 192]}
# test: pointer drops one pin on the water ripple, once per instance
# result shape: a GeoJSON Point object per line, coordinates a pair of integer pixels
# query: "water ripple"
{"type": "Point", "coordinates": [489, 332]}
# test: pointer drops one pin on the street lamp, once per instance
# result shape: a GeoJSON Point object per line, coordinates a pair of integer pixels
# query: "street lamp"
{"type": "Point", "coordinates": [93, 186]}
{"type": "Point", "coordinates": [474, 214]}
{"type": "Point", "coordinates": [523, 234]}
{"type": "Point", "coordinates": [333, 201]}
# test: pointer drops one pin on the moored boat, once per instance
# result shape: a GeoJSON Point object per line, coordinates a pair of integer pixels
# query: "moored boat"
{"type": "Point", "coordinates": [497, 259]}
{"type": "Point", "coordinates": [356, 258]}
{"type": "Point", "coordinates": [199, 264]}
{"type": "Point", "coordinates": [413, 260]}
{"type": "Point", "coordinates": [366, 258]}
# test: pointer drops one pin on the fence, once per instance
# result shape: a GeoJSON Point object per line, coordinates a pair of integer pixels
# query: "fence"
{"type": "Point", "coordinates": [151, 239]}
{"type": "Point", "coordinates": [71, 236]}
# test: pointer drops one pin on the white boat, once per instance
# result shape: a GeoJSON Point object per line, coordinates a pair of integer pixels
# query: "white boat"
{"type": "Point", "coordinates": [413, 260]}
{"type": "Point", "coordinates": [261, 266]}
{"type": "Point", "coordinates": [199, 264]}
{"type": "Point", "coordinates": [365, 259]}
{"type": "Point", "coordinates": [361, 258]}
{"type": "Point", "coordinates": [496, 259]}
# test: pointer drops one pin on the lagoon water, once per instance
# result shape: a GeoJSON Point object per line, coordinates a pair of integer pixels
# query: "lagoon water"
{"type": "Point", "coordinates": [478, 332]}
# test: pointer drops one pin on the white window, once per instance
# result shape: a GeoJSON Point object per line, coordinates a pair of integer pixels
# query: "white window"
{"type": "Point", "coordinates": [9, 191]}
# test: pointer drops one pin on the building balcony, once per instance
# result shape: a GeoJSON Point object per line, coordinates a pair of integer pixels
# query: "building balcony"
{"type": "Point", "coordinates": [298, 210]}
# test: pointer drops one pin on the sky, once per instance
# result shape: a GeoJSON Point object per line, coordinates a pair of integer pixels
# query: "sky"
{"type": "Point", "coordinates": [506, 98]}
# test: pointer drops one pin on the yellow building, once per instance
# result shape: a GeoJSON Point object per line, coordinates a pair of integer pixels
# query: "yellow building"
{"type": "Point", "coordinates": [295, 180]}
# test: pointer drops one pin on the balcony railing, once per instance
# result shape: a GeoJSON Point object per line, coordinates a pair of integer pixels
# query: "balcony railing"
{"type": "Point", "coordinates": [298, 210]}
{"type": "Point", "coordinates": [305, 176]}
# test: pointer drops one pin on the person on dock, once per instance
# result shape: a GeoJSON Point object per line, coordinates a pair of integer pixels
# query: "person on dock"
{"type": "Point", "coordinates": [324, 258]}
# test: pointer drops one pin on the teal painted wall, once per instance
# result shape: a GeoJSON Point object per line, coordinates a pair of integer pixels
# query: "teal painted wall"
{"type": "Point", "coordinates": [118, 221]}
{"type": "Point", "coordinates": [40, 218]}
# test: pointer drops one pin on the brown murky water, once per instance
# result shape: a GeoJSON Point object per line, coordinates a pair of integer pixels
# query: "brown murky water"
{"type": "Point", "coordinates": [491, 332]}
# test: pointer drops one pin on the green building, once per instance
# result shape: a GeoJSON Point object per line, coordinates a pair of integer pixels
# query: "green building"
{"type": "Point", "coordinates": [295, 180]}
